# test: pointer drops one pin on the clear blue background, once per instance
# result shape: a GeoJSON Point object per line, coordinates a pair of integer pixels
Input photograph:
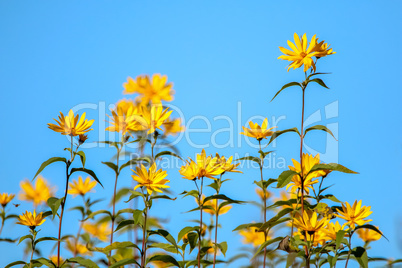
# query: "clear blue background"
{"type": "Point", "coordinates": [56, 55]}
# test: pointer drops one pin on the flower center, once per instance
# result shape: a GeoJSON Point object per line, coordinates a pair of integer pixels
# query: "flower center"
{"type": "Point", "coordinates": [303, 54]}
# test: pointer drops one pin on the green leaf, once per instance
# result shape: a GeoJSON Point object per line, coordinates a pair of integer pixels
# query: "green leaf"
{"type": "Point", "coordinates": [264, 154]}
{"type": "Point", "coordinates": [168, 153]}
{"type": "Point", "coordinates": [48, 162]}
{"type": "Point", "coordinates": [168, 247]}
{"type": "Point", "coordinates": [124, 262]}
{"type": "Point", "coordinates": [193, 193]}
{"type": "Point", "coordinates": [124, 210]}
{"type": "Point", "coordinates": [83, 158]}
{"type": "Point", "coordinates": [46, 238]}
{"type": "Point", "coordinates": [163, 197]}
{"type": "Point", "coordinates": [291, 84]}
{"type": "Point", "coordinates": [123, 223]}
{"type": "Point", "coordinates": [339, 238]}
{"type": "Point", "coordinates": [318, 81]}
{"type": "Point", "coordinates": [250, 158]}
{"type": "Point", "coordinates": [25, 237]}
{"type": "Point", "coordinates": [116, 245]}
{"type": "Point", "coordinates": [165, 234]}
{"type": "Point", "coordinates": [134, 194]}
{"type": "Point", "coordinates": [112, 166]}
{"type": "Point", "coordinates": [84, 262]}
{"type": "Point", "coordinates": [222, 197]}
{"type": "Point", "coordinates": [138, 217]}
{"type": "Point", "coordinates": [44, 261]}
{"type": "Point", "coordinates": [319, 127]}
{"type": "Point", "coordinates": [285, 177]}
{"type": "Point", "coordinates": [93, 214]}
{"type": "Point", "coordinates": [267, 243]}
{"type": "Point", "coordinates": [371, 227]}
{"type": "Point", "coordinates": [361, 256]}
{"type": "Point", "coordinates": [192, 240]}
{"type": "Point", "coordinates": [274, 220]}
{"type": "Point", "coordinates": [280, 132]}
{"type": "Point", "coordinates": [54, 204]}
{"type": "Point", "coordinates": [165, 259]}
{"type": "Point", "coordinates": [128, 163]}
{"type": "Point", "coordinates": [223, 246]}
{"type": "Point", "coordinates": [330, 197]}
{"type": "Point", "coordinates": [112, 143]}
{"type": "Point", "coordinates": [247, 225]}
{"type": "Point", "coordinates": [290, 259]}
{"type": "Point", "coordinates": [186, 230]}
{"type": "Point", "coordinates": [265, 183]}
{"type": "Point", "coordinates": [332, 260]}
{"type": "Point", "coordinates": [15, 263]}
{"type": "Point", "coordinates": [88, 171]}
{"type": "Point", "coordinates": [313, 74]}
{"type": "Point", "coordinates": [331, 166]}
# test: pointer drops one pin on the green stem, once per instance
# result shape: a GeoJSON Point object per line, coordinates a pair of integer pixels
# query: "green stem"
{"type": "Point", "coordinates": [114, 198]}
{"type": "Point", "coordinates": [33, 247]}
{"type": "Point", "coordinates": [219, 181]}
{"type": "Point", "coordinates": [350, 248]}
{"type": "Point", "coordinates": [144, 234]}
{"type": "Point", "coordinates": [200, 231]}
{"type": "Point", "coordinates": [264, 199]}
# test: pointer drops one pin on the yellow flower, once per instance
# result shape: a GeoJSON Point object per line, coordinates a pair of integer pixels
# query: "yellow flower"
{"type": "Point", "coordinates": [31, 219]}
{"type": "Point", "coordinates": [5, 198]}
{"type": "Point", "coordinates": [300, 53]}
{"type": "Point", "coordinates": [189, 170]}
{"type": "Point", "coordinates": [318, 237]}
{"type": "Point", "coordinates": [323, 49]}
{"type": "Point", "coordinates": [173, 127]}
{"type": "Point", "coordinates": [53, 259]}
{"type": "Point", "coordinates": [80, 186]}
{"type": "Point", "coordinates": [203, 167]}
{"type": "Point", "coordinates": [100, 231]}
{"type": "Point", "coordinates": [77, 248]}
{"type": "Point", "coordinates": [331, 230]}
{"type": "Point", "coordinates": [226, 164]}
{"type": "Point", "coordinates": [255, 131]}
{"type": "Point", "coordinates": [251, 236]}
{"type": "Point", "coordinates": [213, 203]}
{"type": "Point", "coordinates": [70, 125]}
{"type": "Point", "coordinates": [126, 117]}
{"type": "Point", "coordinates": [38, 194]}
{"type": "Point", "coordinates": [155, 117]}
{"type": "Point", "coordinates": [152, 179]}
{"type": "Point", "coordinates": [309, 222]}
{"type": "Point", "coordinates": [354, 215]}
{"type": "Point", "coordinates": [308, 162]}
{"type": "Point", "coordinates": [260, 193]}
{"type": "Point", "coordinates": [155, 90]}
{"type": "Point", "coordinates": [368, 235]}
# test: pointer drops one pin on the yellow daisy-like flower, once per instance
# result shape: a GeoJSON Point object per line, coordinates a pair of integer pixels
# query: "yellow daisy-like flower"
{"type": "Point", "coordinates": [302, 52]}
{"type": "Point", "coordinates": [354, 215]}
{"type": "Point", "coordinates": [190, 170]}
{"type": "Point", "coordinates": [226, 164]}
{"type": "Point", "coordinates": [309, 222]}
{"type": "Point", "coordinates": [331, 230]}
{"type": "Point", "coordinates": [81, 187]}
{"type": "Point", "coordinates": [38, 194]}
{"type": "Point", "coordinates": [257, 132]}
{"type": "Point", "coordinates": [155, 117]}
{"type": "Point", "coordinates": [323, 49]}
{"type": "Point", "coordinates": [126, 117]}
{"type": "Point", "coordinates": [251, 236]}
{"type": "Point", "coordinates": [53, 259]}
{"type": "Point", "coordinates": [173, 127]}
{"type": "Point", "coordinates": [31, 219]}
{"type": "Point", "coordinates": [70, 125]}
{"type": "Point", "coordinates": [5, 198]}
{"type": "Point", "coordinates": [203, 167]}
{"type": "Point", "coordinates": [77, 248]}
{"type": "Point", "coordinates": [316, 238]}
{"type": "Point", "coordinates": [368, 235]}
{"type": "Point", "coordinates": [308, 162]}
{"type": "Point", "coordinates": [100, 231]}
{"type": "Point", "coordinates": [152, 179]}
{"type": "Point", "coordinates": [261, 194]}
{"type": "Point", "coordinates": [155, 90]}
{"type": "Point", "coordinates": [214, 206]}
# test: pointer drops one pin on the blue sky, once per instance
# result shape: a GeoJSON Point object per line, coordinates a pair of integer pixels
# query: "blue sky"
{"type": "Point", "coordinates": [219, 55]}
